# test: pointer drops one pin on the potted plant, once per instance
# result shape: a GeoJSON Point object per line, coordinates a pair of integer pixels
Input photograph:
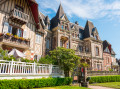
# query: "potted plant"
{"type": "Point", "coordinates": [1, 34]}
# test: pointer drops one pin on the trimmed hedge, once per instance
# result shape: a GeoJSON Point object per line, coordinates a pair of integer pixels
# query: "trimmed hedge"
{"type": "Point", "coordinates": [103, 79]}
{"type": "Point", "coordinates": [34, 83]}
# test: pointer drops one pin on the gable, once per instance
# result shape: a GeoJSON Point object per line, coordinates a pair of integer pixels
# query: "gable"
{"type": "Point", "coordinates": [64, 18]}
{"type": "Point", "coordinates": [107, 50]}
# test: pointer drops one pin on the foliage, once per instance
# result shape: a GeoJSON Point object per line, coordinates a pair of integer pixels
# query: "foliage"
{"type": "Point", "coordinates": [3, 53]}
{"type": "Point", "coordinates": [27, 60]}
{"type": "Point", "coordinates": [45, 60]}
{"type": "Point", "coordinates": [104, 79]}
{"type": "Point", "coordinates": [8, 34]}
{"type": "Point", "coordinates": [110, 69]}
{"type": "Point", "coordinates": [34, 83]}
{"type": "Point", "coordinates": [65, 58]}
{"type": "Point", "coordinates": [16, 36]}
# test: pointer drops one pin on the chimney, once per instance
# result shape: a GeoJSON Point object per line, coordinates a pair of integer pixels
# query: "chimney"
{"type": "Point", "coordinates": [76, 22]}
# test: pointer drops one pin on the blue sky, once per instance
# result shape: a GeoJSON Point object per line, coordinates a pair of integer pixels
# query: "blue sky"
{"type": "Point", "coordinates": [105, 14]}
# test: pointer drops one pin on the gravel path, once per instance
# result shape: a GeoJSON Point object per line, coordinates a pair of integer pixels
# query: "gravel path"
{"type": "Point", "coordinates": [99, 87]}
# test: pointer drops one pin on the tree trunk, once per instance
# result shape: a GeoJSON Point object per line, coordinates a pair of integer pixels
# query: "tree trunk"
{"type": "Point", "coordinates": [66, 73]}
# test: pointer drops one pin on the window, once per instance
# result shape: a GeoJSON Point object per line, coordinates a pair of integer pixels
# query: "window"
{"type": "Point", "coordinates": [96, 38]}
{"type": "Point", "coordinates": [81, 48]}
{"type": "Point", "coordinates": [19, 8]}
{"type": "Point", "coordinates": [37, 57]}
{"type": "Point", "coordinates": [107, 50]}
{"type": "Point", "coordinates": [65, 27]}
{"type": "Point", "coordinates": [68, 45]}
{"type": "Point", "coordinates": [6, 27]}
{"type": "Point", "coordinates": [97, 51]}
{"type": "Point", "coordinates": [61, 43]}
{"type": "Point", "coordinates": [12, 29]}
{"type": "Point", "coordinates": [86, 49]}
{"type": "Point", "coordinates": [62, 27]}
{"type": "Point", "coordinates": [38, 38]}
{"type": "Point", "coordinates": [73, 34]}
{"type": "Point", "coordinates": [47, 44]}
{"type": "Point", "coordinates": [80, 36]}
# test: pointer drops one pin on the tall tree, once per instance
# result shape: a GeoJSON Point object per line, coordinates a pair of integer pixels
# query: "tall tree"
{"type": "Point", "coordinates": [65, 58]}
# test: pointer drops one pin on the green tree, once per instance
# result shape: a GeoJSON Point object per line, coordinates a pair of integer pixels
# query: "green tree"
{"type": "Point", "coordinates": [65, 58]}
{"type": "Point", "coordinates": [45, 60]}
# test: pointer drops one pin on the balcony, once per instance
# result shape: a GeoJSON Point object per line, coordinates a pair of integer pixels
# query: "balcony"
{"type": "Point", "coordinates": [83, 54]}
{"type": "Point", "coordinates": [19, 16]}
{"type": "Point", "coordinates": [115, 64]}
{"type": "Point", "coordinates": [14, 41]}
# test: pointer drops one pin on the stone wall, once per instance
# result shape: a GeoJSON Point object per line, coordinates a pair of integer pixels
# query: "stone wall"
{"type": "Point", "coordinates": [102, 73]}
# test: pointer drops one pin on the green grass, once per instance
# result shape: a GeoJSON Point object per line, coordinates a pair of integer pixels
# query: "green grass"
{"type": "Point", "coordinates": [64, 87]}
{"type": "Point", "coordinates": [110, 84]}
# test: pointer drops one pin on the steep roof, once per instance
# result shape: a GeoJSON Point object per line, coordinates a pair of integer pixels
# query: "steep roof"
{"type": "Point", "coordinates": [60, 12]}
{"type": "Point", "coordinates": [88, 29]}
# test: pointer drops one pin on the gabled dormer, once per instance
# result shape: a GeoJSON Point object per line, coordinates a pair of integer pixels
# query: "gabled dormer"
{"type": "Point", "coordinates": [60, 20]}
{"type": "Point", "coordinates": [91, 31]}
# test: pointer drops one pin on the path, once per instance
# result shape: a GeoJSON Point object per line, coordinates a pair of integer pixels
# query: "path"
{"type": "Point", "coordinates": [99, 87]}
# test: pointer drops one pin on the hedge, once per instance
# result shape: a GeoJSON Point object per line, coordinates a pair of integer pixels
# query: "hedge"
{"type": "Point", "coordinates": [103, 79]}
{"type": "Point", "coordinates": [34, 83]}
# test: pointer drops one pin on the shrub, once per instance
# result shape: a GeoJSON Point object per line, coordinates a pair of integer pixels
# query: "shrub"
{"type": "Point", "coordinates": [103, 79]}
{"type": "Point", "coordinates": [34, 83]}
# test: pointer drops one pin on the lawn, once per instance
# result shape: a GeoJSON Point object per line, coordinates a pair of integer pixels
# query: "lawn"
{"type": "Point", "coordinates": [110, 84]}
{"type": "Point", "coordinates": [63, 87]}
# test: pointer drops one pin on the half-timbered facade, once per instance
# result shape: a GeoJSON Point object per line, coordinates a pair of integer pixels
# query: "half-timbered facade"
{"type": "Point", "coordinates": [20, 27]}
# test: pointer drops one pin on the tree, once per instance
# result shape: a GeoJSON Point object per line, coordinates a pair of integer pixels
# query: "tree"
{"type": "Point", "coordinates": [65, 58]}
{"type": "Point", "coordinates": [45, 60]}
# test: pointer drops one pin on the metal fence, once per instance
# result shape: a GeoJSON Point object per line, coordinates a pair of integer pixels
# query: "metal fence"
{"type": "Point", "coordinates": [23, 68]}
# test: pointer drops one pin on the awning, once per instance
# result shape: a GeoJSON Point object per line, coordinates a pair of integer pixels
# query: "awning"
{"type": "Point", "coordinates": [16, 53]}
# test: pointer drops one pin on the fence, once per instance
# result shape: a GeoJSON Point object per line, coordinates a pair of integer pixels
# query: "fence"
{"type": "Point", "coordinates": [23, 68]}
{"type": "Point", "coordinates": [102, 73]}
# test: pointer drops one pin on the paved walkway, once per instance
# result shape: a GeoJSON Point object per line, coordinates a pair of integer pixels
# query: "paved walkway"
{"type": "Point", "coordinates": [99, 87]}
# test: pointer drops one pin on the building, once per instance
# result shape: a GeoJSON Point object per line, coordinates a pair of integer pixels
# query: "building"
{"type": "Point", "coordinates": [109, 57]}
{"type": "Point", "coordinates": [23, 27]}
{"type": "Point", "coordinates": [85, 41]}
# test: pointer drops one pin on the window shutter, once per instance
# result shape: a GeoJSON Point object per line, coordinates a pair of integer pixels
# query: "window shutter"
{"type": "Point", "coordinates": [25, 33]}
{"type": "Point", "coordinates": [6, 27]}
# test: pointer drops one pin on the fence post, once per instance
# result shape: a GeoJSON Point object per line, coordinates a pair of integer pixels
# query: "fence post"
{"type": "Point", "coordinates": [50, 68]}
{"type": "Point", "coordinates": [11, 67]}
{"type": "Point", "coordinates": [34, 68]}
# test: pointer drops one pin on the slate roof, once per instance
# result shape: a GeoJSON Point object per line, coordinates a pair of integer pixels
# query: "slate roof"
{"type": "Point", "coordinates": [107, 44]}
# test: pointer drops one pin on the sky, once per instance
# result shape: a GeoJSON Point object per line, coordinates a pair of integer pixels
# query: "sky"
{"type": "Point", "coordinates": [105, 15]}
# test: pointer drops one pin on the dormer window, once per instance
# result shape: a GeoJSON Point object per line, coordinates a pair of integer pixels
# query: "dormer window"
{"type": "Point", "coordinates": [96, 38]}
{"type": "Point", "coordinates": [65, 27]}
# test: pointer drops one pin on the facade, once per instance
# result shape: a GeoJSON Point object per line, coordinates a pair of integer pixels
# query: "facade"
{"type": "Point", "coordinates": [23, 27]}
{"type": "Point", "coordinates": [109, 57]}
{"type": "Point", "coordinates": [85, 41]}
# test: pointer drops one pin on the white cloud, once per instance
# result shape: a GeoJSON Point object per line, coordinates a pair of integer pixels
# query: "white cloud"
{"type": "Point", "coordinates": [90, 9]}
